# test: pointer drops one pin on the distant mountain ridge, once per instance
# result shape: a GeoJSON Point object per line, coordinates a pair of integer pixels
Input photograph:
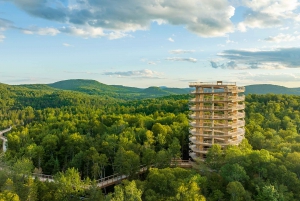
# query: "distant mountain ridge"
{"type": "Point", "coordinates": [269, 88]}
{"type": "Point", "coordinates": [93, 87]}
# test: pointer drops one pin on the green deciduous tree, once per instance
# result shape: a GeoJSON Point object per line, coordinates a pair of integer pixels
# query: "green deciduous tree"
{"type": "Point", "coordinates": [233, 172]}
{"type": "Point", "coordinates": [215, 157]}
{"type": "Point", "coordinates": [128, 191]}
{"type": "Point", "coordinates": [293, 162]}
{"type": "Point", "coordinates": [190, 191]}
{"type": "Point", "coordinates": [9, 196]}
{"type": "Point", "coordinates": [236, 191]}
{"type": "Point", "coordinates": [148, 157]}
{"type": "Point", "coordinates": [269, 193]}
{"type": "Point", "coordinates": [174, 148]}
{"type": "Point", "coordinates": [163, 159]}
{"type": "Point", "coordinates": [69, 185]}
{"type": "Point", "coordinates": [126, 162]}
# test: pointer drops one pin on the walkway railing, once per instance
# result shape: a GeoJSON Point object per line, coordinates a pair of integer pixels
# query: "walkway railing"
{"type": "Point", "coordinates": [116, 178]}
{"type": "Point", "coordinates": [4, 138]}
{"type": "Point", "coordinates": [6, 130]}
{"type": "Point", "coordinates": [211, 83]}
{"type": "Point", "coordinates": [43, 177]}
{"type": "Point", "coordinates": [110, 180]}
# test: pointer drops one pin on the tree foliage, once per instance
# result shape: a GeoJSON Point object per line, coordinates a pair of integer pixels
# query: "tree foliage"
{"type": "Point", "coordinates": [76, 136]}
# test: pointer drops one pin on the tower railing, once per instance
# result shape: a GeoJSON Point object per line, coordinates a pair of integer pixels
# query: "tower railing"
{"type": "Point", "coordinates": [230, 107]}
{"type": "Point", "coordinates": [226, 99]}
{"type": "Point", "coordinates": [211, 83]}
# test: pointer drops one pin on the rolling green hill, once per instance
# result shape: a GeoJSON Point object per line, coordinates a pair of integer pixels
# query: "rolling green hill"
{"type": "Point", "coordinates": [127, 89]}
{"type": "Point", "coordinates": [157, 91]}
{"type": "Point", "coordinates": [82, 85]}
{"type": "Point", "coordinates": [37, 87]}
{"type": "Point", "coordinates": [177, 90]}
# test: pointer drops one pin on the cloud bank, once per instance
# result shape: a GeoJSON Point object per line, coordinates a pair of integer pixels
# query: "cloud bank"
{"type": "Point", "coordinates": [271, 77]}
{"type": "Point", "coordinates": [259, 59]}
{"type": "Point", "coordinates": [207, 18]}
{"type": "Point", "coordinates": [282, 38]}
{"type": "Point", "coordinates": [114, 19]}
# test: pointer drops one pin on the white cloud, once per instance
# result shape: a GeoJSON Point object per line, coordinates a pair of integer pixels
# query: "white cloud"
{"type": "Point", "coordinates": [89, 32]}
{"type": "Point", "coordinates": [193, 60]}
{"type": "Point", "coordinates": [4, 25]}
{"type": "Point", "coordinates": [268, 13]}
{"type": "Point", "coordinates": [282, 38]}
{"type": "Point", "coordinates": [271, 77]}
{"type": "Point", "coordinates": [152, 63]}
{"type": "Point", "coordinates": [41, 31]}
{"type": "Point", "coordinates": [171, 40]}
{"type": "Point", "coordinates": [146, 73]}
{"type": "Point", "coordinates": [28, 32]}
{"type": "Point", "coordinates": [180, 51]}
{"type": "Point", "coordinates": [81, 31]}
{"type": "Point", "coordinates": [2, 37]}
{"type": "Point", "coordinates": [259, 20]}
{"type": "Point", "coordinates": [284, 28]}
{"type": "Point", "coordinates": [48, 31]}
{"type": "Point", "coordinates": [228, 41]}
{"type": "Point", "coordinates": [67, 45]}
{"type": "Point", "coordinates": [208, 18]}
{"type": "Point", "coordinates": [274, 7]}
{"type": "Point", "coordinates": [116, 35]}
{"type": "Point", "coordinates": [92, 32]}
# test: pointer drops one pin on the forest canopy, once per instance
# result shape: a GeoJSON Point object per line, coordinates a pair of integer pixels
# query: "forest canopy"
{"type": "Point", "coordinates": [87, 137]}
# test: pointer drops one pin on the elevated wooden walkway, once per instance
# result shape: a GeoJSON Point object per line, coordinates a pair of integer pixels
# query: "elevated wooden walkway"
{"type": "Point", "coordinates": [106, 181]}
{"type": "Point", "coordinates": [182, 163]}
{"type": "Point", "coordinates": [4, 138]}
{"type": "Point", "coordinates": [116, 178]}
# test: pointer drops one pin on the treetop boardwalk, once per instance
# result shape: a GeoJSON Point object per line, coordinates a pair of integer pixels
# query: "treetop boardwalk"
{"type": "Point", "coordinates": [106, 181]}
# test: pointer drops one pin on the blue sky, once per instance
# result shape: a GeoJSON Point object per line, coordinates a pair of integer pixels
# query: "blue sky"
{"type": "Point", "coordinates": [150, 42]}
